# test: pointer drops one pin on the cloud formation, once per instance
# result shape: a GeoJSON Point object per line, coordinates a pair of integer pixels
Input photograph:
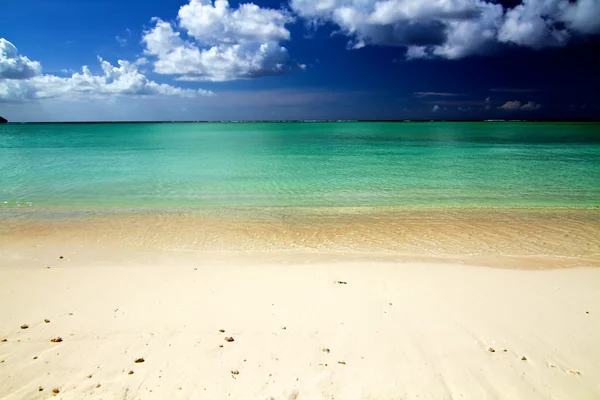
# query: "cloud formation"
{"type": "Point", "coordinates": [222, 43]}
{"type": "Point", "coordinates": [122, 80]}
{"type": "Point", "coordinates": [14, 65]}
{"type": "Point", "coordinates": [435, 108]}
{"type": "Point", "coordinates": [516, 105]}
{"type": "Point", "coordinates": [454, 28]}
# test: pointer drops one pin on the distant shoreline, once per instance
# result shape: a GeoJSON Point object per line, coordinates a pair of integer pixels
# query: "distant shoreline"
{"type": "Point", "coordinates": [300, 121]}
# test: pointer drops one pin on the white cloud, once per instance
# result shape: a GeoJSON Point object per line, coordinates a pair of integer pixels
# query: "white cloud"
{"type": "Point", "coordinates": [121, 80]}
{"type": "Point", "coordinates": [516, 105]}
{"type": "Point", "coordinates": [510, 105]}
{"type": "Point", "coordinates": [487, 103]}
{"type": "Point", "coordinates": [222, 44]}
{"type": "Point", "coordinates": [14, 65]}
{"type": "Point", "coordinates": [435, 108]}
{"type": "Point", "coordinates": [453, 28]}
{"type": "Point", "coordinates": [121, 40]}
{"type": "Point", "coordinates": [531, 106]}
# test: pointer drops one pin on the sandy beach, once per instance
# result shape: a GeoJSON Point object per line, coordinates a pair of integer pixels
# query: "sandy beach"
{"type": "Point", "coordinates": [309, 318]}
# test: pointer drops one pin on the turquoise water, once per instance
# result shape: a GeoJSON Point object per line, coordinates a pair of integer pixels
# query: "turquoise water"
{"type": "Point", "coordinates": [300, 164]}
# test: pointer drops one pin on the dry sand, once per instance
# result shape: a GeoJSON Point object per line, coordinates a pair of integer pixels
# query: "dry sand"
{"type": "Point", "coordinates": [306, 324]}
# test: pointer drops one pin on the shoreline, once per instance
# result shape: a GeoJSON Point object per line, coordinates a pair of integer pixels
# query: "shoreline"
{"type": "Point", "coordinates": [505, 237]}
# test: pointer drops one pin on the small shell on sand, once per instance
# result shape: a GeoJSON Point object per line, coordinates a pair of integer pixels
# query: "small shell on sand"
{"type": "Point", "coordinates": [24, 326]}
{"type": "Point", "coordinates": [57, 339]}
{"type": "Point", "coordinates": [229, 339]}
{"type": "Point", "coordinates": [139, 360]}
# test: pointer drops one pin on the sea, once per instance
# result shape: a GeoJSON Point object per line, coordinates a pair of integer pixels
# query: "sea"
{"type": "Point", "coordinates": [300, 164]}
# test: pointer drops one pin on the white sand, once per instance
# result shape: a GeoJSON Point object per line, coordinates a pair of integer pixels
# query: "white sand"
{"type": "Point", "coordinates": [403, 330]}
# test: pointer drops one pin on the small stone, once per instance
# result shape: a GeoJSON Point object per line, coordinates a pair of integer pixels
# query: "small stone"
{"type": "Point", "coordinates": [342, 362]}
{"type": "Point", "coordinates": [325, 350]}
{"type": "Point", "coordinates": [523, 358]}
{"type": "Point", "coordinates": [221, 346]}
{"type": "Point", "coordinates": [283, 328]}
{"type": "Point", "coordinates": [504, 350]}
{"type": "Point", "coordinates": [130, 373]}
{"type": "Point", "coordinates": [70, 313]}
{"type": "Point", "coordinates": [229, 339]}
{"type": "Point", "coordinates": [322, 364]}
{"type": "Point", "coordinates": [195, 269]}
{"type": "Point", "coordinates": [341, 283]}
{"type": "Point", "coordinates": [587, 312]}
{"type": "Point", "coordinates": [60, 257]}
{"type": "Point", "coordinates": [35, 358]}
{"type": "Point", "coordinates": [139, 360]}
{"type": "Point", "coordinates": [57, 339]}
{"type": "Point", "coordinates": [56, 390]}
{"type": "Point", "coordinates": [40, 389]}
{"type": "Point", "coordinates": [89, 376]}
{"type": "Point", "coordinates": [24, 326]}
{"type": "Point", "coordinates": [491, 350]}
{"type": "Point", "coordinates": [4, 340]}
{"type": "Point", "coordinates": [98, 385]}
{"type": "Point", "coordinates": [222, 330]}
{"type": "Point", "coordinates": [47, 321]}
{"type": "Point", "coordinates": [235, 372]}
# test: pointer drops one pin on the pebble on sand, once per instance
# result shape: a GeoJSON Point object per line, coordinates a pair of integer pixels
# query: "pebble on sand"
{"type": "Point", "coordinates": [342, 362]}
{"type": "Point", "coordinates": [229, 339]}
{"type": "Point", "coordinates": [60, 257]}
{"type": "Point", "coordinates": [130, 373]}
{"type": "Point", "coordinates": [4, 340]}
{"type": "Point", "coordinates": [491, 350]}
{"type": "Point", "coordinates": [326, 350]}
{"type": "Point", "coordinates": [47, 321]}
{"type": "Point", "coordinates": [139, 360]}
{"type": "Point", "coordinates": [40, 389]}
{"type": "Point", "coordinates": [222, 330]}
{"type": "Point", "coordinates": [341, 283]}
{"type": "Point", "coordinates": [89, 376]}
{"type": "Point", "coordinates": [57, 339]}
{"type": "Point", "coordinates": [24, 326]}
{"type": "Point", "coordinates": [56, 390]}
{"type": "Point", "coordinates": [235, 372]}
{"type": "Point", "coordinates": [523, 358]}
{"type": "Point", "coordinates": [98, 385]}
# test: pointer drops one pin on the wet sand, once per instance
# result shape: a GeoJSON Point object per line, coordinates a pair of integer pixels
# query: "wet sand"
{"type": "Point", "coordinates": [329, 304]}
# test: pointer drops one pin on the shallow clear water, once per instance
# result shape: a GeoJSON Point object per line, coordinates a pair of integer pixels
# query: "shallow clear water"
{"type": "Point", "coordinates": [300, 164]}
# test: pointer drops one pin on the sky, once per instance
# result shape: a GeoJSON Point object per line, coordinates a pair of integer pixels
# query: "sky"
{"type": "Point", "coordinates": [99, 60]}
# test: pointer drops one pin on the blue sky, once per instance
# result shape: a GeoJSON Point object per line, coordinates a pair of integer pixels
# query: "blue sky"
{"type": "Point", "coordinates": [298, 59]}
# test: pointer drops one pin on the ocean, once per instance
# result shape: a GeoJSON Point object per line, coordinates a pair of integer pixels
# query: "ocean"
{"type": "Point", "coordinates": [349, 164]}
